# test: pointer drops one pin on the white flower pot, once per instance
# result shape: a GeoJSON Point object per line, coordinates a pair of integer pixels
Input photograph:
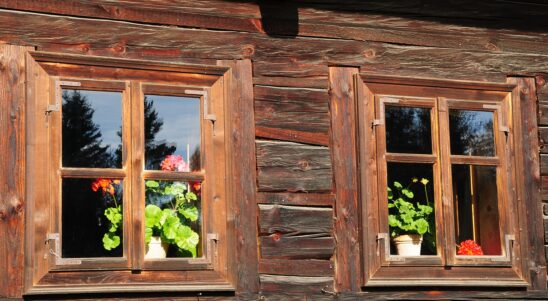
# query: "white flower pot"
{"type": "Point", "coordinates": [408, 244]}
{"type": "Point", "coordinates": [156, 249]}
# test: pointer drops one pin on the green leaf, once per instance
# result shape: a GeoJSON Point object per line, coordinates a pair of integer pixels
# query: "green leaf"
{"type": "Point", "coordinates": [190, 212]}
{"type": "Point", "coordinates": [398, 185]}
{"type": "Point", "coordinates": [187, 239]}
{"type": "Point", "coordinates": [390, 195]}
{"type": "Point", "coordinates": [409, 194]}
{"type": "Point", "coordinates": [152, 184]}
{"type": "Point", "coordinates": [191, 196]}
{"type": "Point", "coordinates": [148, 234]}
{"type": "Point", "coordinates": [171, 226]}
{"type": "Point", "coordinates": [422, 226]}
{"type": "Point", "coordinates": [153, 215]}
{"type": "Point", "coordinates": [110, 241]}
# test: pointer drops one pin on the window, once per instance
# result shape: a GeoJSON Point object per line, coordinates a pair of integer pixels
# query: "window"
{"type": "Point", "coordinates": [128, 183]}
{"type": "Point", "coordinates": [440, 159]}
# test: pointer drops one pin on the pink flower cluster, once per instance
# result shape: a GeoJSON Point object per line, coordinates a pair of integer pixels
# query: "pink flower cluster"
{"type": "Point", "coordinates": [174, 163]}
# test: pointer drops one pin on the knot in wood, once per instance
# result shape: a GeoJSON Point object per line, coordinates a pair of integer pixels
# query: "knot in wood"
{"type": "Point", "coordinates": [16, 205]}
{"type": "Point", "coordinates": [276, 236]}
{"type": "Point", "coordinates": [85, 48]}
{"type": "Point", "coordinates": [119, 48]}
{"type": "Point", "coordinates": [248, 51]}
{"type": "Point", "coordinates": [369, 53]}
{"type": "Point", "coordinates": [2, 213]}
{"type": "Point", "coordinates": [525, 91]}
{"type": "Point", "coordinates": [303, 165]}
{"type": "Point", "coordinates": [540, 80]}
{"type": "Point", "coordinates": [491, 46]}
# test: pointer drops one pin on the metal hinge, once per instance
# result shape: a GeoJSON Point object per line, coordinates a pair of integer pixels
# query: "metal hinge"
{"type": "Point", "coordinates": [383, 100]}
{"type": "Point", "coordinates": [56, 252]}
{"type": "Point", "coordinates": [509, 240]}
{"type": "Point", "coordinates": [204, 94]}
{"type": "Point", "coordinates": [502, 126]}
{"type": "Point", "coordinates": [59, 95]}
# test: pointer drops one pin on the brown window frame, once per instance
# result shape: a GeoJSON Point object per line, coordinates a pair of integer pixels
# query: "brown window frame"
{"type": "Point", "coordinates": [48, 72]}
{"type": "Point", "coordinates": [446, 269]}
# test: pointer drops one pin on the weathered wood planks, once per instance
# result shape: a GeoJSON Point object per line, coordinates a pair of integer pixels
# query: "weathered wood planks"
{"type": "Point", "coordinates": [287, 166]}
{"type": "Point", "coordinates": [12, 169]}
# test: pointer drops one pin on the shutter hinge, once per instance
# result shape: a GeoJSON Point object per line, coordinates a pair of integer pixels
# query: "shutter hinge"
{"type": "Point", "coordinates": [59, 260]}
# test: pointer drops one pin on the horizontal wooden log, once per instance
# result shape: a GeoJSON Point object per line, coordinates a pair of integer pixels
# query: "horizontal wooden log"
{"type": "Point", "coordinates": [287, 166]}
{"type": "Point", "coordinates": [303, 199]}
{"type": "Point", "coordinates": [318, 82]}
{"type": "Point", "coordinates": [321, 138]}
{"type": "Point", "coordinates": [293, 109]}
{"type": "Point", "coordinates": [294, 220]}
{"type": "Point", "coordinates": [544, 164]}
{"type": "Point", "coordinates": [543, 136]}
{"type": "Point", "coordinates": [313, 21]}
{"type": "Point", "coordinates": [280, 246]}
{"type": "Point", "coordinates": [293, 284]}
{"type": "Point", "coordinates": [309, 56]}
{"type": "Point", "coordinates": [544, 188]}
{"type": "Point", "coordinates": [296, 267]}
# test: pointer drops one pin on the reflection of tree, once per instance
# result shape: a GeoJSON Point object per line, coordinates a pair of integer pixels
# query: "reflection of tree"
{"type": "Point", "coordinates": [155, 151]}
{"type": "Point", "coordinates": [408, 130]}
{"type": "Point", "coordinates": [195, 160]}
{"type": "Point", "coordinates": [81, 136]}
{"type": "Point", "coordinates": [471, 133]}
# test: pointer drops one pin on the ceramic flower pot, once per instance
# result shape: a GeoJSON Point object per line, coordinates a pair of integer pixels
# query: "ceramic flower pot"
{"type": "Point", "coordinates": [156, 249]}
{"type": "Point", "coordinates": [408, 244]}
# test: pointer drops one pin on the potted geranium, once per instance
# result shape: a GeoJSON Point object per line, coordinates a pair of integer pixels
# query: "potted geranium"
{"type": "Point", "coordinates": [408, 220]}
{"type": "Point", "coordinates": [113, 212]}
{"type": "Point", "coordinates": [171, 212]}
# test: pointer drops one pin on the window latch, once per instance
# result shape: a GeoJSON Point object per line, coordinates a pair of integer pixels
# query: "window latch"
{"type": "Point", "coordinates": [207, 116]}
{"type": "Point", "coordinates": [383, 100]}
{"type": "Point", "coordinates": [56, 252]}
{"type": "Point", "coordinates": [509, 240]}
{"type": "Point", "coordinates": [500, 120]}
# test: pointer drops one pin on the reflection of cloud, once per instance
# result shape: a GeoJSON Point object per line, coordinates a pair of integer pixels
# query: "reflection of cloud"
{"type": "Point", "coordinates": [181, 116]}
{"type": "Point", "coordinates": [107, 116]}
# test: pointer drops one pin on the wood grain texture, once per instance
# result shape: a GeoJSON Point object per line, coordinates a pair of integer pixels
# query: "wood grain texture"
{"type": "Point", "coordinates": [310, 267]}
{"type": "Point", "coordinates": [303, 199]}
{"type": "Point", "coordinates": [243, 210]}
{"type": "Point", "coordinates": [12, 169]}
{"type": "Point", "coordinates": [294, 219]}
{"type": "Point", "coordinates": [343, 149]}
{"type": "Point", "coordinates": [292, 284]}
{"type": "Point", "coordinates": [532, 181]}
{"type": "Point", "coordinates": [300, 246]}
{"type": "Point", "coordinates": [309, 56]}
{"type": "Point", "coordinates": [287, 166]}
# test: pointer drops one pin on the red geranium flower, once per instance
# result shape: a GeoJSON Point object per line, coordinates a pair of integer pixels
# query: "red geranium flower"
{"type": "Point", "coordinates": [174, 163]}
{"type": "Point", "coordinates": [469, 247]}
{"type": "Point", "coordinates": [105, 185]}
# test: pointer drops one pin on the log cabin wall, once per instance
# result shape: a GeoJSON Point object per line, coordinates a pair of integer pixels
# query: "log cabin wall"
{"type": "Point", "coordinates": [291, 46]}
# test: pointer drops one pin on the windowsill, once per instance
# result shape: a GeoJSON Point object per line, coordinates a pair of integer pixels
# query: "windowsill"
{"type": "Point", "coordinates": [480, 282]}
{"type": "Point", "coordinates": [132, 288]}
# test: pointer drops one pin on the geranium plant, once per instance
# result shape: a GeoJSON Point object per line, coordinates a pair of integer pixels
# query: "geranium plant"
{"type": "Point", "coordinates": [406, 216]}
{"type": "Point", "coordinates": [113, 212]}
{"type": "Point", "coordinates": [173, 209]}
{"type": "Point", "coordinates": [469, 248]}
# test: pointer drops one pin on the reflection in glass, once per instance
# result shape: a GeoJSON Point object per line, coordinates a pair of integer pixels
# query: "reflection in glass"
{"type": "Point", "coordinates": [92, 127]}
{"type": "Point", "coordinates": [92, 218]}
{"type": "Point", "coordinates": [471, 133]}
{"type": "Point", "coordinates": [476, 206]}
{"type": "Point", "coordinates": [408, 130]}
{"type": "Point", "coordinates": [172, 127]}
{"type": "Point", "coordinates": [173, 213]}
{"type": "Point", "coordinates": [417, 179]}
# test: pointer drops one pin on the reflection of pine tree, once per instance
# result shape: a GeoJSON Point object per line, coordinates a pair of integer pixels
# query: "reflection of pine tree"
{"type": "Point", "coordinates": [195, 160]}
{"type": "Point", "coordinates": [155, 151]}
{"type": "Point", "coordinates": [408, 130]}
{"type": "Point", "coordinates": [81, 137]}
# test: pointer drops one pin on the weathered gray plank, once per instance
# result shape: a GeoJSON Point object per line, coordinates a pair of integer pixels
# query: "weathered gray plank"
{"type": "Point", "coordinates": [294, 219]}
{"type": "Point", "coordinates": [293, 284]}
{"type": "Point", "coordinates": [281, 246]}
{"type": "Point", "coordinates": [287, 166]}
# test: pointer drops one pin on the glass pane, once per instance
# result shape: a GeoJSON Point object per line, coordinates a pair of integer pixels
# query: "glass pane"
{"type": "Point", "coordinates": [408, 130]}
{"type": "Point", "coordinates": [172, 133]}
{"type": "Point", "coordinates": [92, 218]}
{"type": "Point", "coordinates": [92, 129]}
{"type": "Point", "coordinates": [411, 204]}
{"type": "Point", "coordinates": [471, 133]}
{"type": "Point", "coordinates": [173, 216]}
{"type": "Point", "coordinates": [476, 210]}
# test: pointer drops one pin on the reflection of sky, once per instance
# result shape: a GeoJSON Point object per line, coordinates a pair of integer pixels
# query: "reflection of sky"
{"type": "Point", "coordinates": [107, 116]}
{"type": "Point", "coordinates": [181, 117]}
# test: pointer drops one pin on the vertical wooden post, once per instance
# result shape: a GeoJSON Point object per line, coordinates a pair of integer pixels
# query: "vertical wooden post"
{"type": "Point", "coordinates": [12, 168]}
{"type": "Point", "coordinates": [529, 182]}
{"type": "Point", "coordinates": [343, 149]}
{"type": "Point", "coordinates": [242, 170]}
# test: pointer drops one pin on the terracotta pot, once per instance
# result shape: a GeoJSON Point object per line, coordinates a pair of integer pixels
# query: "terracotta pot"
{"type": "Point", "coordinates": [156, 249]}
{"type": "Point", "coordinates": [408, 244]}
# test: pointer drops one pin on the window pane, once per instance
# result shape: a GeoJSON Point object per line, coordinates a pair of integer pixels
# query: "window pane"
{"type": "Point", "coordinates": [173, 213]}
{"type": "Point", "coordinates": [412, 184]}
{"type": "Point", "coordinates": [92, 218]}
{"type": "Point", "coordinates": [471, 133]}
{"type": "Point", "coordinates": [92, 129]}
{"type": "Point", "coordinates": [476, 208]}
{"type": "Point", "coordinates": [408, 130]}
{"type": "Point", "coordinates": [172, 128]}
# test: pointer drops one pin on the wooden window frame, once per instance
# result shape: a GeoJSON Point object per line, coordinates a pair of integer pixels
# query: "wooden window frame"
{"type": "Point", "coordinates": [506, 271]}
{"type": "Point", "coordinates": [47, 72]}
